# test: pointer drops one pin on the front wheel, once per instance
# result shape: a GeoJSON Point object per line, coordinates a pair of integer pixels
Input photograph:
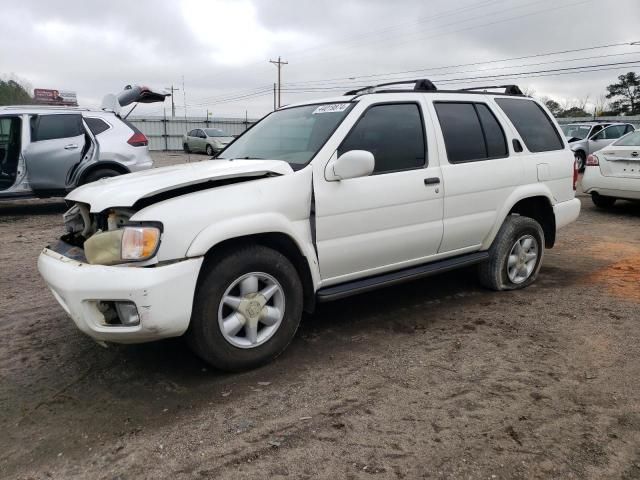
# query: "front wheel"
{"type": "Point", "coordinates": [247, 309]}
{"type": "Point", "coordinates": [515, 257]}
{"type": "Point", "coordinates": [210, 150]}
{"type": "Point", "coordinates": [601, 201]}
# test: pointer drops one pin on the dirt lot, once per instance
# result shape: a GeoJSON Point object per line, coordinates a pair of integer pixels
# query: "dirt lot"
{"type": "Point", "coordinates": [433, 379]}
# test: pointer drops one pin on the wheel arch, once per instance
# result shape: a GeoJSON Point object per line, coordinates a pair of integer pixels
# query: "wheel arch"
{"type": "Point", "coordinates": [279, 241]}
{"type": "Point", "coordinates": [536, 203]}
{"type": "Point", "coordinates": [118, 167]}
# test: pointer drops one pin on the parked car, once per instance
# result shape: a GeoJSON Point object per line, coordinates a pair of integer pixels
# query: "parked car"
{"type": "Point", "coordinates": [588, 137]}
{"type": "Point", "coordinates": [316, 202]}
{"type": "Point", "coordinates": [207, 140]}
{"type": "Point", "coordinates": [48, 151]}
{"type": "Point", "coordinates": [614, 172]}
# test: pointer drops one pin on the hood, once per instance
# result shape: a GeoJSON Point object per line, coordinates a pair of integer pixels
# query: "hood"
{"type": "Point", "coordinates": [126, 190]}
{"type": "Point", "coordinates": [223, 140]}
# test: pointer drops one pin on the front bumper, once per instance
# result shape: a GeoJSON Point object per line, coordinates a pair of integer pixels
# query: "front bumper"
{"type": "Point", "coordinates": [566, 212]}
{"type": "Point", "coordinates": [163, 295]}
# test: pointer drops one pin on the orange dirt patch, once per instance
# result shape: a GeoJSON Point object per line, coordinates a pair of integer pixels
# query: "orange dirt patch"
{"type": "Point", "coordinates": [621, 279]}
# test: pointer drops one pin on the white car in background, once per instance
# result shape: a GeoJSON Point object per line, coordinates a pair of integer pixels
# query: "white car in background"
{"type": "Point", "coordinates": [614, 172]}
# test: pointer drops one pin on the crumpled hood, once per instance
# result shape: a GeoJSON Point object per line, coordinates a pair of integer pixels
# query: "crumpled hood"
{"type": "Point", "coordinates": [125, 190]}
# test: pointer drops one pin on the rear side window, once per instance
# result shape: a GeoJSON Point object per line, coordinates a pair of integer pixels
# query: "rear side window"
{"type": "Point", "coordinates": [129, 124]}
{"type": "Point", "coordinates": [50, 127]}
{"type": "Point", "coordinates": [393, 133]}
{"type": "Point", "coordinates": [96, 125]}
{"type": "Point", "coordinates": [471, 132]}
{"type": "Point", "coordinates": [533, 124]}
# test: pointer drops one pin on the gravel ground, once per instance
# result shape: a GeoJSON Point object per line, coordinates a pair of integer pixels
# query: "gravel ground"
{"type": "Point", "coordinates": [432, 379]}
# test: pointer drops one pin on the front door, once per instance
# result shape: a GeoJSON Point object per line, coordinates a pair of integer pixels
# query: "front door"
{"type": "Point", "coordinates": [57, 146]}
{"type": "Point", "coordinates": [390, 219]}
{"type": "Point", "coordinates": [607, 136]}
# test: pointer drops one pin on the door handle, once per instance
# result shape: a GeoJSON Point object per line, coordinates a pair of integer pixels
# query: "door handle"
{"type": "Point", "coordinates": [432, 181]}
{"type": "Point", "coordinates": [71, 146]}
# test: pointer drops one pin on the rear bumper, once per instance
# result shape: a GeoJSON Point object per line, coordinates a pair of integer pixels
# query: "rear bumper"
{"type": "Point", "coordinates": [163, 295]}
{"type": "Point", "coordinates": [619, 187]}
{"type": "Point", "coordinates": [566, 212]}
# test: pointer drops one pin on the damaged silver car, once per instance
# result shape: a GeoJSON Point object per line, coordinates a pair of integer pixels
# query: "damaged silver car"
{"type": "Point", "coordinates": [49, 151]}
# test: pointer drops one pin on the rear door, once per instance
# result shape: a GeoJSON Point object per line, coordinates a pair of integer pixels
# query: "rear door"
{"type": "Point", "coordinates": [480, 172]}
{"type": "Point", "coordinates": [58, 143]}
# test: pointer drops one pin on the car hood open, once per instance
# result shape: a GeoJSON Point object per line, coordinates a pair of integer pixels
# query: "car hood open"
{"type": "Point", "coordinates": [126, 190]}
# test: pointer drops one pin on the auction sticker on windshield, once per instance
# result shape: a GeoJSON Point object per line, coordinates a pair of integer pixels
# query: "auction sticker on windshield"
{"type": "Point", "coordinates": [331, 108]}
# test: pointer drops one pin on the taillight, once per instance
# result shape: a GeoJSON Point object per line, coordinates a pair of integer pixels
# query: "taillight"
{"type": "Point", "coordinates": [592, 161]}
{"type": "Point", "coordinates": [575, 174]}
{"type": "Point", "coordinates": [138, 140]}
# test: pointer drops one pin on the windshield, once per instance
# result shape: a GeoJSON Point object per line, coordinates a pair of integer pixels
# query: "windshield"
{"type": "Point", "coordinates": [214, 132]}
{"type": "Point", "coordinates": [630, 140]}
{"type": "Point", "coordinates": [576, 131]}
{"type": "Point", "coordinates": [294, 135]}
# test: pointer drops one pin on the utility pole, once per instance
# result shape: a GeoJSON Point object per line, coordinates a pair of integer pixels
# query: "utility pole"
{"type": "Point", "coordinates": [279, 64]}
{"type": "Point", "coordinates": [173, 103]}
{"type": "Point", "coordinates": [274, 97]}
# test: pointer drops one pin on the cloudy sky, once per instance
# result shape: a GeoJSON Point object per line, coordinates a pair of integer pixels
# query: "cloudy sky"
{"type": "Point", "coordinates": [221, 48]}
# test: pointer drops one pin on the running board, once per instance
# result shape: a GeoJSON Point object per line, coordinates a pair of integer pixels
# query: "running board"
{"type": "Point", "coordinates": [372, 283]}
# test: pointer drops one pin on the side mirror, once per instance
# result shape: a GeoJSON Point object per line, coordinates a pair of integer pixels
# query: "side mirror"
{"type": "Point", "coordinates": [351, 164]}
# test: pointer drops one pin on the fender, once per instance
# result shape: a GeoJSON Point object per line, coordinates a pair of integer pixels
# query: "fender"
{"type": "Point", "coordinates": [299, 231]}
{"type": "Point", "coordinates": [520, 193]}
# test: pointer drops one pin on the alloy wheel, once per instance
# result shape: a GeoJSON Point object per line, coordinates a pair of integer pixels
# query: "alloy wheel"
{"type": "Point", "coordinates": [522, 259]}
{"type": "Point", "coordinates": [251, 310]}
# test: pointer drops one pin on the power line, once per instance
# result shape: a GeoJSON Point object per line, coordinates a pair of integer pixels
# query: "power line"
{"type": "Point", "coordinates": [430, 69]}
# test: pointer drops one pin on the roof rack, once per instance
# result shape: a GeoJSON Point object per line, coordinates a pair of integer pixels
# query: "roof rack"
{"type": "Point", "coordinates": [424, 85]}
{"type": "Point", "coordinates": [508, 89]}
{"type": "Point", "coordinates": [420, 85]}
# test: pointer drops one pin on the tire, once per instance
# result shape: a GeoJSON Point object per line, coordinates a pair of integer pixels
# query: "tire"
{"type": "Point", "coordinates": [497, 273]}
{"type": "Point", "coordinates": [210, 150]}
{"type": "Point", "coordinates": [99, 174]}
{"type": "Point", "coordinates": [581, 160]}
{"type": "Point", "coordinates": [236, 351]}
{"type": "Point", "coordinates": [185, 147]}
{"type": "Point", "coordinates": [601, 201]}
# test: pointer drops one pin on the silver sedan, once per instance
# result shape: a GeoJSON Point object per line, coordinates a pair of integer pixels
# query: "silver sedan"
{"type": "Point", "coordinates": [206, 140]}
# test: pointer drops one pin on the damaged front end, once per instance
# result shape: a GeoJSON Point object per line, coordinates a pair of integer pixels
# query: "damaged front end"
{"type": "Point", "coordinates": [108, 237]}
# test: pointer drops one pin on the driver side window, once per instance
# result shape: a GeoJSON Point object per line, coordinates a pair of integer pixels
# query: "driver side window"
{"type": "Point", "coordinates": [393, 133]}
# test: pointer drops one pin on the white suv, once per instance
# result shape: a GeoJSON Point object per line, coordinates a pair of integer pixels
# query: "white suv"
{"type": "Point", "coordinates": [315, 202]}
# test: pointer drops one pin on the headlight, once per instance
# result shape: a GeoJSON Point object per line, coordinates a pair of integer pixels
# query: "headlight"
{"type": "Point", "coordinates": [127, 244]}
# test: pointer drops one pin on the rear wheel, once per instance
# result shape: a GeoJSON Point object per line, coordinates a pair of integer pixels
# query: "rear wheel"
{"type": "Point", "coordinates": [210, 150]}
{"type": "Point", "coordinates": [601, 201]}
{"type": "Point", "coordinates": [581, 160]}
{"type": "Point", "coordinates": [99, 174]}
{"type": "Point", "coordinates": [515, 257]}
{"type": "Point", "coordinates": [186, 148]}
{"type": "Point", "coordinates": [246, 310]}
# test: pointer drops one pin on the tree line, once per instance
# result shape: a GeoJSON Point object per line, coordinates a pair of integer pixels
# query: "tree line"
{"type": "Point", "coordinates": [622, 98]}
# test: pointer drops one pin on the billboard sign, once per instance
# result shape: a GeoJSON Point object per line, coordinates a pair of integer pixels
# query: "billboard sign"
{"type": "Point", "coordinates": [55, 97]}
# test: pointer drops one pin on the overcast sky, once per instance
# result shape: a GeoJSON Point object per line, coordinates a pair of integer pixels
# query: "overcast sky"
{"type": "Point", "coordinates": [222, 47]}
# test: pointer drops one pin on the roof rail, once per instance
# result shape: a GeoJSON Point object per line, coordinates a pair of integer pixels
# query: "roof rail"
{"type": "Point", "coordinates": [424, 85]}
{"type": "Point", "coordinates": [508, 89]}
{"type": "Point", "coordinates": [420, 85]}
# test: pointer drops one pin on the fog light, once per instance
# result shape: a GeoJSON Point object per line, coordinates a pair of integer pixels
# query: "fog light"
{"type": "Point", "coordinates": [127, 313]}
